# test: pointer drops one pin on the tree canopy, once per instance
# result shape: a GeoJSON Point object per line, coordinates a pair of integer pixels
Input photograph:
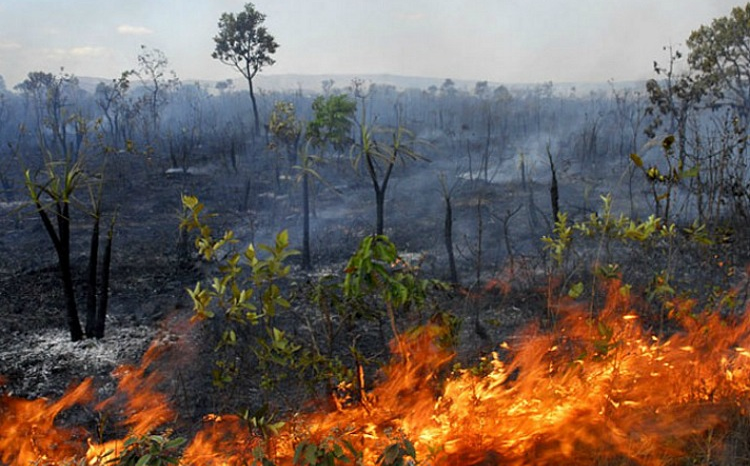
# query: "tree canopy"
{"type": "Point", "coordinates": [721, 54]}
{"type": "Point", "coordinates": [244, 43]}
{"type": "Point", "coordinates": [332, 121]}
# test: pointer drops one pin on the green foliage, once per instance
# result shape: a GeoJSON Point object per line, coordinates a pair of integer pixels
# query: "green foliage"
{"type": "Point", "coordinates": [400, 453]}
{"type": "Point", "coordinates": [332, 121]}
{"type": "Point", "coordinates": [558, 243]}
{"type": "Point", "coordinates": [377, 269]}
{"type": "Point", "coordinates": [149, 450]}
{"type": "Point", "coordinates": [244, 42]}
{"type": "Point", "coordinates": [610, 227]}
{"type": "Point", "coordinates": [245, 289]}
{"type": "Point", "coordinates": [663, 182]}
{"type": "Point", "coordinates": [262, 422]}
{"type": "Point", "coordinates": [331, 451]}
{"type": "Point", "coordinates": [720, 54]}
{"type": "Point", "coordinates": [285, 128]}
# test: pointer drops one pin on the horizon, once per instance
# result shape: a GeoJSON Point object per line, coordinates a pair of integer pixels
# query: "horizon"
{"type": "Point", "coordinates": [509, 42]}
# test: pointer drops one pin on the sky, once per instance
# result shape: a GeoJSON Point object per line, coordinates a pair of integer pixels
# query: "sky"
{"type": "Point", "coordinates": [504, 41]}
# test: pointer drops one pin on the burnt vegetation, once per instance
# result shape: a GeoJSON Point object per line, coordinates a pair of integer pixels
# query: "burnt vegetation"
{"type": "Point", "coordinates": [371, 210]}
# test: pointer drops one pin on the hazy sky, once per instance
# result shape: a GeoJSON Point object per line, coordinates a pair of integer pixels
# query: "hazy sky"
{"type": "Point", "coordinates": [497, 40]}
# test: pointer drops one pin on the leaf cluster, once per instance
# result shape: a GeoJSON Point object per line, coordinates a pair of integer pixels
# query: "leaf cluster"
{"type": "Point", "coordinates": [330, 451]}
{"type": "Point", "coordinates": [148, 450]}
{"type": "Point", "coordinates": [245, 288]}
{"type": "Point", "coordinates": [332, 122]}
{"type": "Point", "coordinates": [376, 268]}
{"type": "Point", "coordinates": [244, 42]}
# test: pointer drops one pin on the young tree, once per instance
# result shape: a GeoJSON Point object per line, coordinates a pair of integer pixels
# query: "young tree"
{"type": "Point", "coordinates": [53, 192]}
{"type": "Point", "coordinates": [244, 43]}
{"type": "Point", "coordinates": [332, 122]}
{"type": "Point", "coordinates": [379, 155]}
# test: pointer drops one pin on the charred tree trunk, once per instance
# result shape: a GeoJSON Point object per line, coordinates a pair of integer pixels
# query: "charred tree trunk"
{"type": "Point", "coordinates": [91, 293]}
{"type": "Point", "coordinates": [448, 236]}
{"type": "Point", "coordinates": [380, 189]}
{"type": "Point", "coordinates": [506, 234]}
{"type": "Point", "coordinates": [101, 312]}
{"type": "Point", "coordinates": [380, 211]}
{"type": "Point", "coordinates": [61, 242]}
{"type": "Point", "coordinates": [306, 262]}
{"type": "Point", "coordinates": [256, 118]}
{"type": "Point", "coordinates": [553, 189]}
{"type": "Point", "coordinates": [233, 155]}
{"type": "Point", "coordinates": [480, 232]}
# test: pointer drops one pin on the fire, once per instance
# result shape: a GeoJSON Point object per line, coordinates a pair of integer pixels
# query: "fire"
{"type": "Point", "coordinates": [29, 435]}
{"type": "Point", "coordinates": [27, 431]}
{"type": "Point", "coordinates": [224, 441]}
{"type": "Point", "coordinates": [589, 390]}
{"type": "Point", "coordinates": [586, 392]}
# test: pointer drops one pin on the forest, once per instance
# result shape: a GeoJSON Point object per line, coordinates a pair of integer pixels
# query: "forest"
{"type": "Point", "coordinates": [465, 273]}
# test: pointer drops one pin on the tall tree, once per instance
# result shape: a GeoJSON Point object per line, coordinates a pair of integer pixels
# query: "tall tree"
{"type": "Point", "coordinates": [244, 43]}
{"type": "Point", "coordinates": [721, 54]}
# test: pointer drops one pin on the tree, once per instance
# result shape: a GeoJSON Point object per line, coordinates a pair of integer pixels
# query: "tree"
{"type": "Point", "coordinates": [53, 192]}
{"type": "Point", "coordinates": [379, 155]}
{"type": "Point", "coordinates": [721, 54]}
{"type": "Point", "coordinates": [157, 82]}
{"type": "Point", "coordinates": [111, 99]}
{"type": "Point", "coordinates": [330, 126]}
{"type": "Point", "coordinates": [332, 122]}
{"type": "Point", "coordinates": [49, 95]}
{"type": "Point", "coordinates": [244, 43]}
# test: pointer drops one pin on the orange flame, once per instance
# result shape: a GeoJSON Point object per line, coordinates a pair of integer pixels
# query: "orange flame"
{"type": "Point", "coordinates": [27, 431]}
{"type": "Point", "coordinates": [588, 391]}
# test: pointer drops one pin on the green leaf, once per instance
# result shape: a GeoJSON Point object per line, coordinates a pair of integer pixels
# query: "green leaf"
{"type": "Point", "coordinates": [636, 160]}
{"type": "Point", "coordinates": [145, 459]}
{"type": "Point", "coordinates": [690, 173]}
{"type": "Point", "coordinates": [576, 290]}
{"type": "Point", "coordinates": [311, 454]}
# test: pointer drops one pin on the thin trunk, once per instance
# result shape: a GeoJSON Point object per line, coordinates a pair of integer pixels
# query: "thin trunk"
{"type": "Point", "coordinates": [91, 293]}
{"type": "Point", "coordinates": [63, 254]}
{"type": "Point", "coordinates": [480, 231]}
{"type": "Point", "coordinates": [233, 155]}
{"type": "Point", "coordinates": [379, 193]}
{"type": "Point", "coordinates": [506, 234]}
{"type": "Point", "coordinates": [256, 126]}
{"type": "Point", "coordinates": [380, 207]}
{"type": "Point", "coordinates": [306, 263]}
{"type": "Point", "coordinates": [448, 235]}
{"type": "Point", "coordinates": [553, 189]}
{"type": "Point", "coordinates": [101, 314]}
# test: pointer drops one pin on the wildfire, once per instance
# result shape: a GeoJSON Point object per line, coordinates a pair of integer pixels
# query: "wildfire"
{"type": "Point", "coordinates": [589, 391]}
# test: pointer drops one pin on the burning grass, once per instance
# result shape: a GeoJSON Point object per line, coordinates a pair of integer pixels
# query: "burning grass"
{"type": "Point", "coordinates": [593, 390]}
